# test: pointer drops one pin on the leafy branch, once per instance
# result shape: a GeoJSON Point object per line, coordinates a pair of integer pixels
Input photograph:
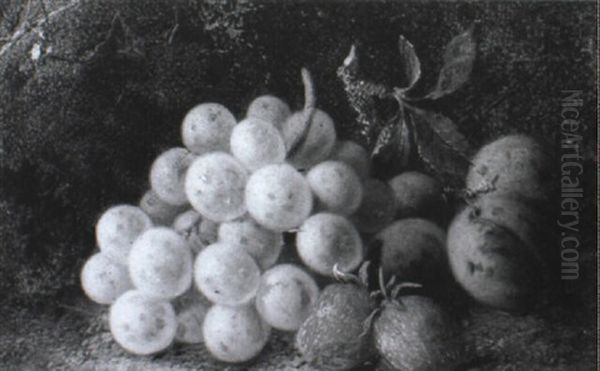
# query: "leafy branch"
{"type": "Point", "coordinates": [413, 131]}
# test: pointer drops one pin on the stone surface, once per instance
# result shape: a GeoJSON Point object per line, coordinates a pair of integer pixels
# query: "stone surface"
{"type": "Point", "coordinates": [92, 91]}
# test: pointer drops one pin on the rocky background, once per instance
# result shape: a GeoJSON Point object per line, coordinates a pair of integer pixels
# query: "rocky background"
{"type": "Point", "coordinates": [92, 91]}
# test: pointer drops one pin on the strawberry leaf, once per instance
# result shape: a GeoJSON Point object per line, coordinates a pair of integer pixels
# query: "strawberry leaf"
{"type": "Point", "coordinates": [439, 144]}
{"type": "Point", "coordinates": [410, 63]}
{"type": "Point", "coordinates": [393, 147]}
{"type": "Point", "coordinates": [459, 57]}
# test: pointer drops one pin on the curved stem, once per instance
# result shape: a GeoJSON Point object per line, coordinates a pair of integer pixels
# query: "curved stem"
{"type": "Point", "coordinates": [309, 109]}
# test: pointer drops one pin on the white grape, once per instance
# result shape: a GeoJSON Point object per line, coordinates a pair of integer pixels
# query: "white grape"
{"type": "Point", "coordinates": [278, 197]}
{"type": "Point", "coordinates": [262, 244]}
{"type": "Point", "coordinates": [257, 143]}
{"type": "Point", "coordinates": [378, 207]}
{"type": "Point", "coordinates": [104, 280]}
{"type": "Point", "coordinates": [226, 275]}
{"type": "Point", "coordinates": [161, 212]}
{"type": "Point", "coordinates": [199, 232]}
{"type": "Point", "coordinates": [160, 263]}
{"type": "Point", "coordinates": [325, 240]}
{"type": "Point", "coordinates": [285, 296]}
{"type": "Point", "coordinates": [336, 187]}
{"type": "Point", "coordinates": [215, 185]}
{"type": "Point", "coordinates": [318, 143]}
{"type": "Point", "coordinates": [354, 155]}
{"type": "Point", "coordinates": [167, 175]}
{"type": "Point", "coordinates": [270, 109]}
{"type": "Point", "coordinates": [189, 323]}
{"type": "Point", "coordinates": [234, 334]}
{"type": "Point", "coordinates": [207, 128]}
{"type": "Point", "coordinates": [118, 228]}
{"type": "Point", "coordinates": [141, 324]}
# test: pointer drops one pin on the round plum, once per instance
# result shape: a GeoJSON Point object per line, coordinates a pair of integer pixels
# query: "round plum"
{"type": "Point", "coordinates": [514, 164]}
{"type": "Point", "coordinates": [492, 263]}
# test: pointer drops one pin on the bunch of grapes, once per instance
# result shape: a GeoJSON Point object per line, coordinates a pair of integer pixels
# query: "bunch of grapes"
{"type": "Point", "coordinates": [198, 259]}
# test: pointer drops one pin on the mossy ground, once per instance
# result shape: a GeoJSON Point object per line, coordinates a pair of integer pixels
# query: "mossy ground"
{"type": "Point", "coordinates": [81, 121]}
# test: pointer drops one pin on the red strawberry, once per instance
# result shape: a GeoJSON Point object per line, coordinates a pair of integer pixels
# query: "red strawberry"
{"type": "Point", "coordinates": [414, 333]}
{"type": "Point", "coordinates": [333, 337]}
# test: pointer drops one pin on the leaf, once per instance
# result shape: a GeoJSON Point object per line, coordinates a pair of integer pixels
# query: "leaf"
{"type": "Point", "coordinates": [410, 63]}
{"type": "Point", "coordinates": [445, 129]}
{"type": "Point", "coordinates": [440, 145]}
{"type": "Point", "coordinates": [394, 143]}
{"type": "Point", "coordinates": [459, 57]}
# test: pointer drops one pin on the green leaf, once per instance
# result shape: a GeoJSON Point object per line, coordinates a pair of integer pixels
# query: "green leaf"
{"type": "Point", "coordinates": [410, 63]}
{"type": "Point", "coordinates": [459, 57]}
{"type": "Point", "coordinates": [440, 145]}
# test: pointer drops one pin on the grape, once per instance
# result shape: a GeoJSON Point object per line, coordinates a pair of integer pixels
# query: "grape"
{"type": "Point", "coordinates": [161, 212]}
{"type": "Point", "coordinates": [167, 175]}
{"type": "Point", "coordinates": [377, 208]}
{"type": "Point", "coordinates": [327, 239]}
{"type": "Point", "coordinates": [261, 244]}
{"type": "Point", "coordinates": [117, 228]}
{"type": "Point", "coordinates": [226, 275]}
{"type": "Point", "coordinates": [189, 323]}
{"type": "Point", "coordinates": [207, 128]}
{"type": "Point", "coordinates": [354, 155]}
{"type": "Point", "coordinates": [270, 109]}
{"type": "Point", "coordinates": [257, 143]}
{"type": "Point", "coordinates": [215, 186]}
{"type": "Point", "coordinates": [199, 232]}
{"type": "Point", "coordinates": [188, 299]}
{"type": "Point", "coordinates": [319, 141]}
{"type": "Point", "coordinates": [416, 194]}
{"type": "Point", "coordinates": [278, 197]}
{"type": "Point", "coordinates": [285, 296]}
{"type": "Point", "coordinates": [234, 334]}
{"type": "Point", "coordinates": [141, 324]}
{"type": "Point", "coordinates": [336, 187]}
{"type": "Point", "coordinates": [103, 280]}
{"type": "Point", "coordinates": [160, 263]}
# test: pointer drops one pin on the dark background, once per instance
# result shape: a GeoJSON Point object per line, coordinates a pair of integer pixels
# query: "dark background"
{"type": "Point", "coordinates": [81, 124]}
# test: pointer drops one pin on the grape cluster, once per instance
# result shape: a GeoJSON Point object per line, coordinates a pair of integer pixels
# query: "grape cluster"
{"type": "Point", "coordinates": [196, 261]}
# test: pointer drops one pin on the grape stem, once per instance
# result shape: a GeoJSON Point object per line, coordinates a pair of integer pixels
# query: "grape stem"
{"type": "Point", "coordinates": [309, 110]}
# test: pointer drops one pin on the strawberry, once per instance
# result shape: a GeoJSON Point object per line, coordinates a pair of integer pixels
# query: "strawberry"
{"type": "Point", "coordinates": [414, 333]}
{"type": "Point", "coordinates": [334, 336]}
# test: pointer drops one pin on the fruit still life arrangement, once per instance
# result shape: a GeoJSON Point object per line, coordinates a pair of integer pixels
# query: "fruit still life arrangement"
{"type": "Point", "coordinates": [272, 222]}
